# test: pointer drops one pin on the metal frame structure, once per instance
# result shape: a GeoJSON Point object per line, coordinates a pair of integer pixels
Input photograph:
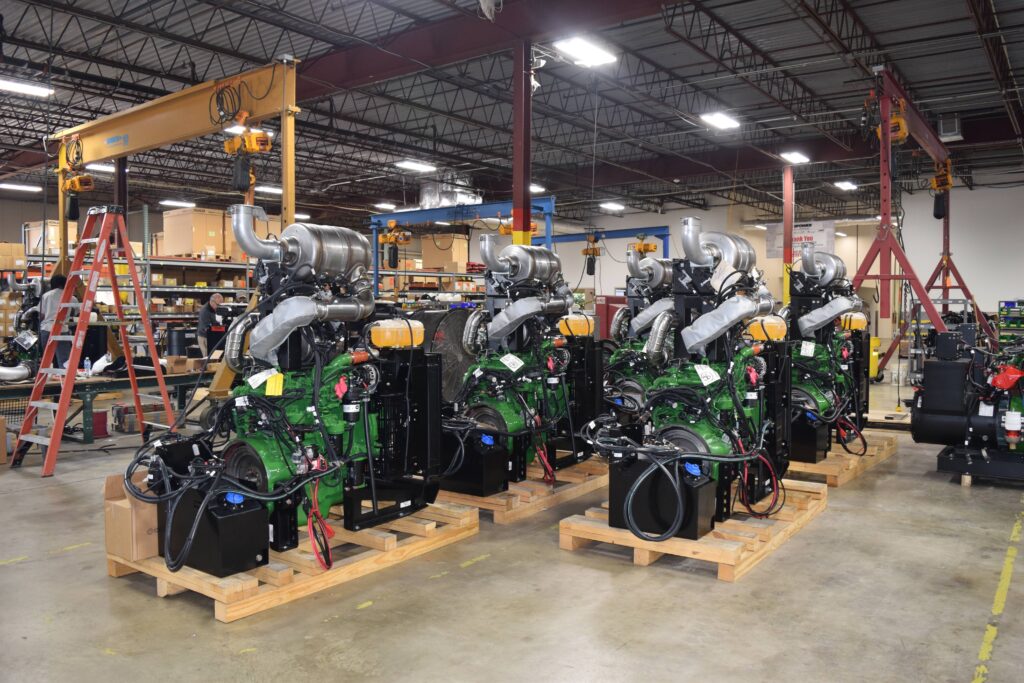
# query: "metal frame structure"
{"type": "Point", "coordinates": [462, 213]}
{"type": "Point", "coordinates": [886, 246]}
{"type": "Point", "coordinates": [661, 232]}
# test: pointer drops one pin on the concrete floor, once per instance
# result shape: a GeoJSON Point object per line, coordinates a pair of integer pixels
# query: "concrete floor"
{"type": "Point", "coordinates": [894, 582]}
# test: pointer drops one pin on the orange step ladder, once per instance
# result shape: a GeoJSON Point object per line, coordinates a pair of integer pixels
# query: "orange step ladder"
{"type": "Point", "coordinates": [104, 236]}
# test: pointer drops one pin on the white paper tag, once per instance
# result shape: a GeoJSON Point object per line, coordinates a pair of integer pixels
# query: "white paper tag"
{"type": "Point", "coordinates": [707, 374]}
{"type": "Point", "coordinates": [751, 395]}
{"type": "Point", "coordinates": [219, 319]}
{"type": "Point", "coordinates": [512, 362]}
{"type": "Point", "coordinates": [844, 366]}
{"type": "Point", "coordinates": [986, 409]}
{"type": "Point", "coordinates": [259, 378]}
{"type": "Point", "coordinates": [807, 349]}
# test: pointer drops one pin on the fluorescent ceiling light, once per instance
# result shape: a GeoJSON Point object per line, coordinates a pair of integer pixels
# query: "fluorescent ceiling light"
{"type": "Point", "coordinates": [720, 120]}
{"type": "Point", "coordinates": [385, 206]}
{"type": "Point", "coordinates": [760, 227]}
{"type": "Point", "coordinates": [17, 187]}
{"type": "Point", "coordinates": [840, 234]}
{"type": "Point", "coordinates": [302, 216]}
{"type": "Point", "coordinates": [103, 168]}
{"type": "Point", "coordinates": [441, 223]}
{"type": "Point", "coordinates": [878, 217]}
{"type": "Point", "coordinates": [535, 188]}
{"type": "Point", "coordinates": [612, 206]}
{"type": "Point", "coordinates": [238, 130]}
{"type": "Point", "coordinates": [846, 185]}
{"type": "Point", "coordinates": [23, 88]}
{"type": "Point", "coordinates": [418, 166]}
{"type": "Point", "coordinates": [795, 157]}
{"type": "Point", "coordinates": [177, 202]}
{"type": "Point", "coordinates": [268, 189]}
{"type": "Point", "coordinates": [583, 52]}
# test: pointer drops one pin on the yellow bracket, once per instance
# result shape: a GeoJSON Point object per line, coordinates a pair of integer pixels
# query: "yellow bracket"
{"type": "Point", "coordinates": [899, 130]}
{"type": "Point", "coordinates": [249, 142]}
{"type": "Point", "coordinates": [78, 183]}
{"type": "Point", "coordinates": [942, 181]}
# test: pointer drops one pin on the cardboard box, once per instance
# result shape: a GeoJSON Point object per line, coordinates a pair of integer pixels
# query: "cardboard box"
{"type": "Point", "coordinates": [156, 246]}
{"type": "Point", "coordinates": [130, 527]}
{"type": "Point", "coordinates": [136, 249]}
{"type": "Point", "coordinates": [194, 364]}
{"type": "Point", "coordinates": [34, 236]}
{"type": "Point", "coordinates": [11, 256]}
{"type": "Point", "coordinates": [448, 252]}
{"type": "Point", "coordinates": [193, 231]}
{"type": "Point", "coordinates": [176, 364]}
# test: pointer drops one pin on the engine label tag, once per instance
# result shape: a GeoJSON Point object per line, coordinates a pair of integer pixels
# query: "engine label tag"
{"type": "Point", "coordinates": [512, 362]}
{"type": "Point", "coordinates": [259, 378]}
{"type": "Point", "coordinates": [986, 409]}
{"type": "Point", "coordinates": [708, 375]}
{"type": "Point", "coordinates": [807, 349]}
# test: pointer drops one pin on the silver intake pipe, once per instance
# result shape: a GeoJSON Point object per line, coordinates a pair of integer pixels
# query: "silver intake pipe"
{"type": "Point", "coordinates": [824, 267]}
{"type": "Point", "coordinates": [234, 341]}
{"type": "Point", "coordinates": [662, 328]}
{"type": "Point", "coordinates": [655, 272]}
{"type": "Point", "coordinates": [18, 373]}
{"type": "Point", "coordinates": [646, 317]}
{"type": "Point", "coordinates": [733, 311]}
{"type": "Point", "coordinates": [692, 249]}
{"type": "Point", "coordinates": [822, 316]}
{"type": "Point", "coordinates": [617, 328]}
{"type": "Point", "coordinates": [714, 248]}
{"type": "Point", "coordinates": [243, 217]}
{"type": "Point", "coordinates": [632, 264]}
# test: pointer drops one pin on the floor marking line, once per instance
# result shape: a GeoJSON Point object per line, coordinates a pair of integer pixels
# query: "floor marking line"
{"type": "Point", "coordinates": [988, 640]}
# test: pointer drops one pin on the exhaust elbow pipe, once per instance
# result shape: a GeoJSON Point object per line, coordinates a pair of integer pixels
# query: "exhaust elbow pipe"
{"type": "Point", "coordinates": [632, 263]}
{"type": "Point", "coordinates": [234, 341]}
{"type": "Point", "coordinates": [18, 373]}
{"type": "Point", "coordinates": [617, 329]}
{"type": "Point", "coordinates": [692, 248]}
{"type": "Point", "coordinates": [824, 267]}
{"type": "Point", "coordinates": [654, 349]}
{"type": "Point", "coordinates": [242, 225]}
{"type": "Point", "coordinates": [489, 254]}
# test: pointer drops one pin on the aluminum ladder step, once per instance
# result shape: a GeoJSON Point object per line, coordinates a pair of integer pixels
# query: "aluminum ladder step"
{"type": "Point", "coordinates": [156, 424]}
{"type": "Point", "coordinates": [62, 337]}
{"type": "Point", "coordinates": [71, 304]}
{"type": "Point", "coordinates": [35, 438]}
{"type": "Point", "coordinates": [53, 371]}
{"type": "Point", "coordinates": [49, 405]}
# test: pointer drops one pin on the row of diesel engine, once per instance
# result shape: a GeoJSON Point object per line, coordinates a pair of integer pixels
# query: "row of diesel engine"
{"type": "Point", "coordinates": [709, 387]}
{"type": "Point", "coordinates": [343, 407]}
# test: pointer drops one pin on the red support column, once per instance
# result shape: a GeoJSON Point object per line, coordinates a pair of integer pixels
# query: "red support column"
{"type": "Point", "coordinates": [788, 217]}
{"type": "Point", "coordinates": [522, 96]}
{"type": "Point", "coordinates": [945, 257]}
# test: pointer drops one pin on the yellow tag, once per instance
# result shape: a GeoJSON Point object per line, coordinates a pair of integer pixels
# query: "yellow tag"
{"type": "Point", "coordinates": [275, 385]}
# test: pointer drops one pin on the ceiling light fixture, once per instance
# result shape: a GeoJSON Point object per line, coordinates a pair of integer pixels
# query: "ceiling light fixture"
{"type": "Point", "coordinates": [441, 223]}
{"type": "Point", "coordinates": [385, 206]}
{"type": "Point", "coordinates": [720, 120]}
{"type": "Point", "coordinates": [238, 130]}
{"type": "Point", "coordinates": [795, 157]}
{"type": "Point", "coordinates": [760, 227]}
{"type": "Point", "coordinates": [177, 202]}
{"type": "Point", "coordinates": [612, 206]}
{"type": "Point", "coordinates": [418, 166]}
{"type": "Point", "coordinates": [23, 88]}
{"type": "Point", "coordinates": [302, 216]}
{"type": "Point", "coordinates": [18, 187]}
{"type": "Point", "coordinates": [846, 185]}
{"type": "Point", "coordinates": [583, 52]}
{"type": "Point", "coordinates": [535, 188]}
{"type": "Point", "coordinates": [102, 168]}
{"type": "Point", "coordinates": [840, 234]}
{"type": "Point", "coordinates": [268, 189]}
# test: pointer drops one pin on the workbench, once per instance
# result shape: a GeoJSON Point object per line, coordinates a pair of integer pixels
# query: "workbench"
{"type": "Point", "coordinates": [88, 388]}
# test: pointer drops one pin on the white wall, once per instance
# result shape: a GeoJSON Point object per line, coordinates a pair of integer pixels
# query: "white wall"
{"type": "Point", "coordinates": [987, 242]}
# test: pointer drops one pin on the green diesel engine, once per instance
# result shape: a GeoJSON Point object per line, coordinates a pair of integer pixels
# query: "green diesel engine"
{"type": "Point", "coordinates": [701, 411]}
{"type": "Point", "coordinates": [337, 408]}
{"type": "Point", "coordinates": [534, 380]}
{"type": "Point", "coordinates": [830, 349]}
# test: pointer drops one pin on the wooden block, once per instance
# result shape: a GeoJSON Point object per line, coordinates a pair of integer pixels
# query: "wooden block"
{"type": "Point", "coordinates": [596, 513]}
{"type": "Point", "coordinates": [412, 525]}
{"type": "Point", "coordinates": [642, 557]}
{"type": "Point", "coordinates": [165, 588]}
{"type": "Point", "coordinates": [274, 573]}
{"type": "Point", "coordinates": [118, 569]}
{"type": "Point", "coordinates": [570, 542]}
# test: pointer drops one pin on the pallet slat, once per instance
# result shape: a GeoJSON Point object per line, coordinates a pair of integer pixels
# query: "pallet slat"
{"type": "Point", "coordinates": [526, 498]}
{"type": "Point", "coordinates": [736, 546]}
{"type": "Point", "coordinates": [296, 574]}
{"type": "Point", "coordinates": [839, 467]}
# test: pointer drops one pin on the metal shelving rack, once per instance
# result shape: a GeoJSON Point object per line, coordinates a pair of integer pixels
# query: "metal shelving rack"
{"type": "Point", "coordinates": [463, 214]}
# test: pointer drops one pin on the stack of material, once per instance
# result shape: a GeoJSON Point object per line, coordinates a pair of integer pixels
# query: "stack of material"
{"type": "Point", "coordinates": [34, 237]}
{"type": "Point", "coordinates": [447, 252]}
{"type": "Point", "coordinates": [10, 304]}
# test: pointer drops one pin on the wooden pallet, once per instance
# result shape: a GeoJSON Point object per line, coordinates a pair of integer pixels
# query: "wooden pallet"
{"type": "Point", "coordinates": [296, 574]}
{"type": "Point", "coordinates": [736, 545]}
{"type": "Point", "coordinates": [532, 495]}
{"type": "Point", "coordinates": [839, 467]}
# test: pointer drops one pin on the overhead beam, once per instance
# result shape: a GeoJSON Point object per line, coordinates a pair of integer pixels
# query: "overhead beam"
{"type": "Point", "coordinates": [986, 22]}
{"type": "Point", "coordinates": [463, 37]}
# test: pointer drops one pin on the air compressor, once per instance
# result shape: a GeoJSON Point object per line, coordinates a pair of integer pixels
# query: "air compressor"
{"type": "Point", "coordinates": [831, 357]}
{"type": "Point", "coordinates": [338, 412]}
{"type": "Point", "coordinates": [700, 417]}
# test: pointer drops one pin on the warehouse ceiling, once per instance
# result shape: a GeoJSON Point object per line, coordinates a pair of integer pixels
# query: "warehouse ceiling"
{"type": "Point", "coordinates": [386, 80]}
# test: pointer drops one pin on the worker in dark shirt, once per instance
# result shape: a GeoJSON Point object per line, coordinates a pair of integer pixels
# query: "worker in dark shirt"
{"type": "Point", "coordinates": [208, 317]}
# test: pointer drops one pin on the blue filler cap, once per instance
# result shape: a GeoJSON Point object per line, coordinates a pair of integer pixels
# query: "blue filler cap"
{"type": "Point", "coordinates": [487, 439]}
{"type": "Point", "coordinates": [692, 468]}
{"type": "Point", "coordinates": [618, 401]}
{"type": "Point", "coordinates": [811, 417]}
{"type": "Point", "coordinates": [233, 498]}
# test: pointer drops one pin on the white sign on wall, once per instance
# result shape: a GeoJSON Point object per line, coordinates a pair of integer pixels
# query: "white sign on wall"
{"type": "Point", "coordinates": [821, 233]}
